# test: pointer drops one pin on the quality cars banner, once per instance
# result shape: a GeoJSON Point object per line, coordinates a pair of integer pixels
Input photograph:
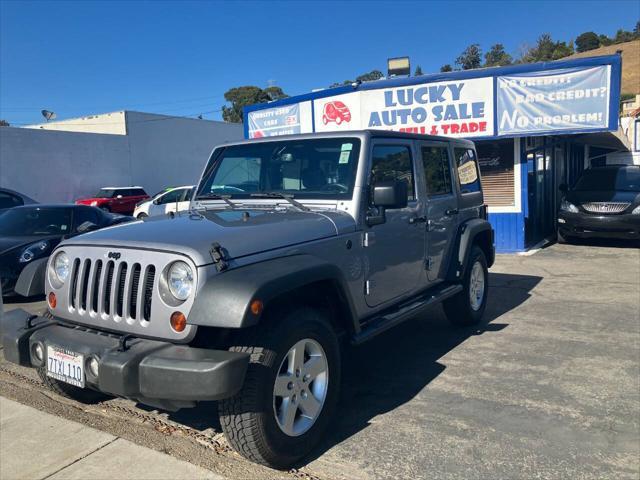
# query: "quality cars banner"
{"type": "Point", "coordinates": [549, 101]}
{"type": "Point", "coordinates": [284, 120]}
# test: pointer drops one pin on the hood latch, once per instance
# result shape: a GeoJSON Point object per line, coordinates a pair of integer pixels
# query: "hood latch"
{"type": "Point", "coordinates": [218, 256]}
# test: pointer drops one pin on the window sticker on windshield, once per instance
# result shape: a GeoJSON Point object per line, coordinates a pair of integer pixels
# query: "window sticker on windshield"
{"type": "Point", "coordinates": [347, 147]}
{"type": "Point", "coordinates": [344, 157]}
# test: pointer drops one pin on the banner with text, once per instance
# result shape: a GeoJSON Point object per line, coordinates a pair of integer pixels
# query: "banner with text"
{"type": "Point", "coordinates": [547, 101]}
{"type": "Point", "coordinates": [460, 108]}
{"type": "Point", "coordinates": [284, 120]}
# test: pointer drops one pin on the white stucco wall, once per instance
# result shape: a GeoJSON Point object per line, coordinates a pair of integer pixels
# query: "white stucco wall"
{"type": "Point", "coordinates": [110, 123]}
{"type": "Point", "coordinates": [158, 151]}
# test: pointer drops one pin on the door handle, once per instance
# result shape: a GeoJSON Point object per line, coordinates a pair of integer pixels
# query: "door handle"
{"type": "Point", "coordinates": [414, 220]}
{"type": "Point", "coordinates": [451, 212]}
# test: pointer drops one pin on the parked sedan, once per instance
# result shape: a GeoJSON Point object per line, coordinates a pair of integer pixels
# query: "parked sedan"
{"type": "Point", "coordinates": [605, 202]}
{"type": "Point", "coordinates": [11, 198]}
{"type": "Point", "coordinates": [29, 233]}
{"type": "Point", "coordinates": [116, 199]}
{"type": "Point", "coordinates": [173, 199]}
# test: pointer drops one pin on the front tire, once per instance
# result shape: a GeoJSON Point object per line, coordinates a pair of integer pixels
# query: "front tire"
{"type": "Point", "coordinates": [467, 307]}
{"type": "Point", "coordinates": [290, 389]}
{"type": "Point", "coordinates": [82, 395]}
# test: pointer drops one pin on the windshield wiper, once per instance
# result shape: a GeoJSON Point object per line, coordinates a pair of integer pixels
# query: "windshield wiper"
{"type": "Point", "coordinates": [288, 198]}
{"type": "Point", "coordinates": [215, 196]}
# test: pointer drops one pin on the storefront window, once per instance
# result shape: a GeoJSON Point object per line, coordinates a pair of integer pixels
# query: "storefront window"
{"type": "Point", "coordinates": [496, 168]}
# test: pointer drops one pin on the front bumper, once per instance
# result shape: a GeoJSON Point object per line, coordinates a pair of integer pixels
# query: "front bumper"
{"type": "Point", "coordinates": [156, 373]}
{"type": "Point", "coordinates": [605, 226]}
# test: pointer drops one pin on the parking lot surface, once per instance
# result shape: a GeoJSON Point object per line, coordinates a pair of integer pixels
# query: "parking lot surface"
{"type": "Point", "coordinates": [547, 387]}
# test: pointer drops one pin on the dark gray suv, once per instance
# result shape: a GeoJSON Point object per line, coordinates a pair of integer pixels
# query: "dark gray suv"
{"type": "Point", "coordinates": [293, 248]}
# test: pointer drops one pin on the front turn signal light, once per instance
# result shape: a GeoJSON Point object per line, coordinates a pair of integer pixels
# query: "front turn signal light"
{"type": "Point", "coordinates": [52, 300]}
{"type": "Point", "coordinates": [178, 321]}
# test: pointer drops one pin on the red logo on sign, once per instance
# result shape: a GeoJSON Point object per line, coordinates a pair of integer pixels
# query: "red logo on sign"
{"type": "Point", "coordinates": [336, 112]}
{"type": "Point", "coordinates": [291, 120]}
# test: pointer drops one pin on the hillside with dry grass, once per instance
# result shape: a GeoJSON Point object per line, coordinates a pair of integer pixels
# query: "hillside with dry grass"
{"type": "Point", "coordinates": [630, 63]}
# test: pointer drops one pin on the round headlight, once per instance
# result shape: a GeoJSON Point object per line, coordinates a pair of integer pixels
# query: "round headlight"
{"type": "Point", "coordinates": [61, 267]}
{"type": "Point", "coordinates": [180, 280]}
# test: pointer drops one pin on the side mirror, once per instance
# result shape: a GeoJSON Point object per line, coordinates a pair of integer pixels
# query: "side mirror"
{"type": "Point", "coordinates": [86, 227]}
{"type": "Point", "coordinates": [563, 187]}
{"type": "Point", "coordinates": [118, 196]}
{"type": "Point", "coordinates": [390, 194]}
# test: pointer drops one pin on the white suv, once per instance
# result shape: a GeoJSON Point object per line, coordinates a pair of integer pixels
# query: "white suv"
{"type": "Point", "coordinates": [173, 199]}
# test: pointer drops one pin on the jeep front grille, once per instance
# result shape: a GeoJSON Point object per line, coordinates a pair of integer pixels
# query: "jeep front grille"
{"type": "Point", "coordinates": [111, 291]}
{"type": "Point", "coordinates": [605, 207]}
{"type": "Point", "coordinates": [122, 290]}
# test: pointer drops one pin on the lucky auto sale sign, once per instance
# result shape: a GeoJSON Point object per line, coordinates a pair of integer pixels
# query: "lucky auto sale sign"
{"type": "Point", "coordinates": [462, 108]}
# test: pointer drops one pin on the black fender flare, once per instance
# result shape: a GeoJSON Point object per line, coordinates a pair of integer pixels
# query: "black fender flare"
{"type": "Point", "coordinates": [31, 280]}
{"type": "Point", "coordinates": [467, 233]}
{"type": "Point", "coordinates": [225, 300]}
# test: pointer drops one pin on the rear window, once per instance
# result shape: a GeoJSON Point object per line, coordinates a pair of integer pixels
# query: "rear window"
{"type": "Point", "coordinates": [7, 200]}
{"type": "Point", "coordinates": [467, 169]}
{"type": "Point", "coordinates": [610, 179]}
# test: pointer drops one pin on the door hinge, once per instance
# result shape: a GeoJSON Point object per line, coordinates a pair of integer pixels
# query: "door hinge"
{"type": "Point", "coordinates": [428, 263]}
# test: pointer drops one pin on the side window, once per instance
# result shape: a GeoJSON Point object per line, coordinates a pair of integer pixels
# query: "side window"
{"type": "Point", "coordinates": [171, 197]}
{"type": "Point", "coordinates": [83, 215]}
{"type": "Point", "coordinates": [467, 169]}
{"type": "Point", "coordinates": [186, 194]}
{"type": "Point", "coordinates": [435, 160]}
{"type": "Point", "coordinates": [138, 192]}
{"type": "Point", "coordinates": [393, 162]}
{"type": "Point", "coordinates": [125, 192]}
{"type": "Point", "coordinates": [7, 200]}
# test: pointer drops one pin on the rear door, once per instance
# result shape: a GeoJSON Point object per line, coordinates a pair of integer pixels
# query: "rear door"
{"type": "Point", "coordinates": [442, 209]}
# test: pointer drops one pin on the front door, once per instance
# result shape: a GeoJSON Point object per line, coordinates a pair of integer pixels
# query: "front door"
{"type": "Point", "coordinates": [396, 247]}
{"type": "Point", "coordinates": [441, 207]}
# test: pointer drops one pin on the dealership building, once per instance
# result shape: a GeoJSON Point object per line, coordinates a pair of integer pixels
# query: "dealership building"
{"type": "Point", "coordinates": [536, 127]}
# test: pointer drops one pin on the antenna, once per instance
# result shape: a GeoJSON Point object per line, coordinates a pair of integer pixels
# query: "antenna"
{"type": "Point", "coordinates": [48, 115]}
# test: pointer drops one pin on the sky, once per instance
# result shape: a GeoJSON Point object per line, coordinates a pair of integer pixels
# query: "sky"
{"type": "Point", "coordinates": [178, 58]}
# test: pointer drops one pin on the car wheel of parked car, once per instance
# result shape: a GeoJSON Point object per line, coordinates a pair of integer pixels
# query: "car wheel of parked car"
{"type": "Point", "coordinates": [142, 216]}
{"type": "Point", "coordinates": [290, 389]}
{"type": "Point", "coordinates": [467, 307]}
{"type": "Point", "coordinates": [82, 395]}
{"type": "Point", "coordinates": [565, 239]}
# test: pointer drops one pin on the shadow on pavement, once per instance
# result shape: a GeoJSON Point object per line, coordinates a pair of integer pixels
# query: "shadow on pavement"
{"type": "Point", "coordinates": [394, 367]}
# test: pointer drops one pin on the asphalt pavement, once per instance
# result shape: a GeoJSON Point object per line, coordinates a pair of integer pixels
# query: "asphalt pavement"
{"type": "Point", "coordinates": [548, 386]}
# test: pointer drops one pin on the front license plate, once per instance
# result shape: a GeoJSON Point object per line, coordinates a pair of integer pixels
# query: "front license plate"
{"type": "Point", "coordinates": [65, 365]}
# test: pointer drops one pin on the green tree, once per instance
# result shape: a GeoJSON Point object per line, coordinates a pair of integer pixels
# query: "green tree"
{"type": "Point", "coordinates": [4, 123]}
{"type": "Point", "coordinates": [240, 97]}
{"type": "Point", "coordinates": [275, 93]}
{"type": "Point", "coordinates": [471, 57]}
{"type": "Point", "coordinates": [563, 49]}
{"type": "Point", "coordinates": [605, 41]}
{"type": "Point", "coordinates": [446, 68]}
{"type": "Point", "coordinates": [636, 29]}
{"type": "Point", "coordinates": [370, 76]}
{"type": "Point", "coordinates": [497, 57]}
{"type": "Point", "coordinates": [623, 36]}
{"type": "Point", "coordinates": [418, 71]}
{"type": "Point", "coordinates": [587, 41]}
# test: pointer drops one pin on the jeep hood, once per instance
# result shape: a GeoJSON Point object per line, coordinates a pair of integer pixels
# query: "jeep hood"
{"type": "Point", "coordinates": [239, 232]}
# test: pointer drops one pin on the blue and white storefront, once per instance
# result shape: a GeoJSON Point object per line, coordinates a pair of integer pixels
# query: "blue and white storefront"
{"type": "Point", "coordinates": [534, 127]}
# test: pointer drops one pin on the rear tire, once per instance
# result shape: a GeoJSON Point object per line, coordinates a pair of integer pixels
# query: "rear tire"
{"type": "Point", "coordinates": [142, 216]}
{"type": "Point", "coordinates": [258, 422]}
{"type": "Point", "coordinates": [467, 307]}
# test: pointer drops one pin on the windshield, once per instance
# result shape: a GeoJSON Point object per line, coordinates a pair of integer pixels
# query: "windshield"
{"type": "Point", "coordinates": [22, 221]}
{"type": "Point", "coordinates": [105, 193]}
{"type": "Point", "coordinates": [312, 168]}
{"type": "Point", "coordinates": [610, 179]}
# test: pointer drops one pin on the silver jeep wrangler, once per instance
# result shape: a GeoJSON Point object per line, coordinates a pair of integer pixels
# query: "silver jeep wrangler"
{"type": "Point", "coordinates": [293, 247]}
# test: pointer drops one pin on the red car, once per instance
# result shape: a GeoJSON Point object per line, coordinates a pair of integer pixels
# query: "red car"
{"type": "Point", "coordinates": [336, 112]}
{"type": "Point", "coordinates": [116, 199]}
